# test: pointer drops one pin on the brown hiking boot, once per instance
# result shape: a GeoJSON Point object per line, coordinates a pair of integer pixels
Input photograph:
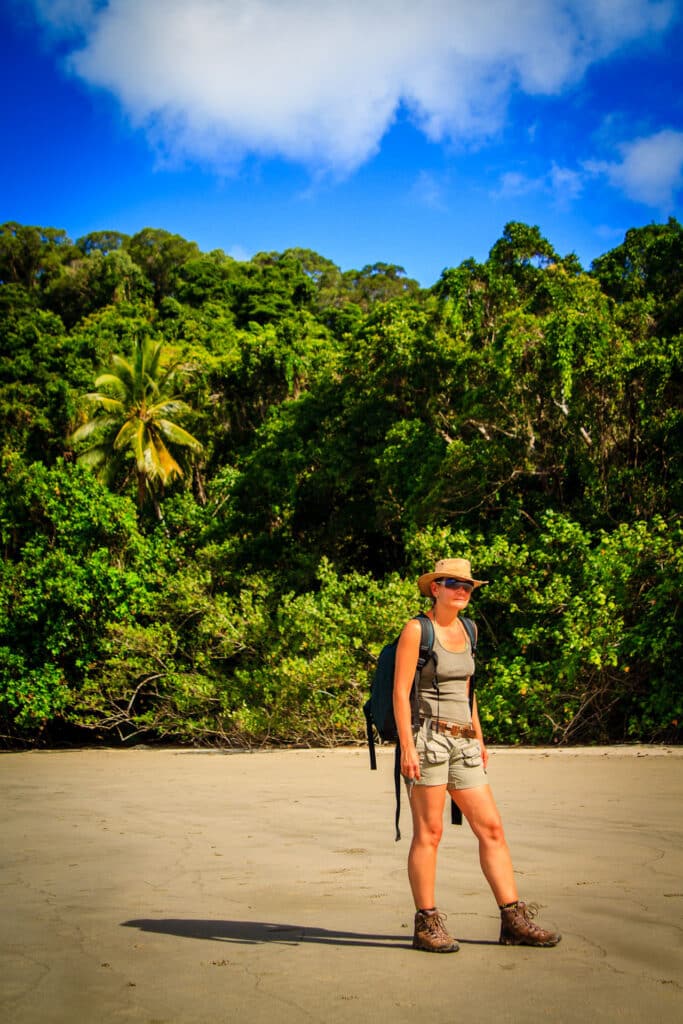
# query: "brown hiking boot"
{"type": "Point", "coordinates": [431, 935]}
{"type": "Point", "coordinates": [518, 929]}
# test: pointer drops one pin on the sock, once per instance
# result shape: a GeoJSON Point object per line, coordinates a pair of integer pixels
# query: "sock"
{"type": "Point", "coordinates": [508, 906]}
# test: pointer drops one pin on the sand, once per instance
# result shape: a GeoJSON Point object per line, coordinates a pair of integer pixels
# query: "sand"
{"type": "Point", "coordinates": [181, 886]}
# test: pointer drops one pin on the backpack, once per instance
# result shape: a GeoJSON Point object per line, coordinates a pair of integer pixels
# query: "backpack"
{"type": "Point", "coordinates": [379, 709]}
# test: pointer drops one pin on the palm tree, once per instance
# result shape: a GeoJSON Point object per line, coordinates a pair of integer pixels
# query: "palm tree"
{"type": "Point", "coordinates": [132, 417]}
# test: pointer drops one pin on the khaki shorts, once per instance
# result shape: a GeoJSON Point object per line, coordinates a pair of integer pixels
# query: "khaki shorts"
{"type": "Point", "coordinates": [451, 761]}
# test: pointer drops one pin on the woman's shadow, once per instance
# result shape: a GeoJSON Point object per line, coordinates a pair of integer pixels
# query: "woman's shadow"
{"type": "Point", "coordinates": [252, 932]}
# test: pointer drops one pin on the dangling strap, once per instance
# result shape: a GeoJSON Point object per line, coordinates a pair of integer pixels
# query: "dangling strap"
{"type": "Point", "coordinates": [397, 787]}
{"type": "Point", "coordinates": [371, 739]}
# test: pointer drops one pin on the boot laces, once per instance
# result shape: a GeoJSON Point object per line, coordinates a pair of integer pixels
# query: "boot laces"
{"type": "Point", "coordinates": [529, 911]}
{"type": "Point", "coordinates": [436, 923]}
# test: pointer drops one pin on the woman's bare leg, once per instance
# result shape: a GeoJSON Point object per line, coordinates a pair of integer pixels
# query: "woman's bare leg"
{"type": "Point", "coordinates": [481, 812]}
{"type": "Point", "coordinates": [426, 804]}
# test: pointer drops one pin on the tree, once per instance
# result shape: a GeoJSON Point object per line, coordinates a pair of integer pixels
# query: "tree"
{"type": "Point", "coordinates": [91, 282]}
{"type": "Point", "coordinates": [161, 255]}
{"type": "Point", "coordinates": [208, 277]}
{"type": "Point", "coordinates": [522, 245]}
{"type": "Point", "coordinates": [133, 417]}
{"type": "Point", "coordinates": [378, 282]}
{"type": "Point", "coordinates": [39, 365]}
{"type": "Point", "coordinates": [644, 275]}
{"type": "Point", "coordinates": [649, 261]}
{"type": "Point", "coordinates": [102, 241]}
{"type": "Point", "coordinates": [31, 256]}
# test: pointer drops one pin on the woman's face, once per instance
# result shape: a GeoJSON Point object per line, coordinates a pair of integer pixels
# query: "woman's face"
{"type": "Point", "coordinates": [452, 593]}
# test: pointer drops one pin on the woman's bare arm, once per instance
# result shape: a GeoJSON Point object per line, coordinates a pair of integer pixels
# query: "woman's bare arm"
{"type": "Point", "coordinates": [407, 653]}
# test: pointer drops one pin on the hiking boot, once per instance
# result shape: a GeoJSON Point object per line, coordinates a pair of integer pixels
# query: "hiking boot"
{"type": "Point", "coordinates": [431, 935]}
{"type": "Point", "coordinates": [518, 929]}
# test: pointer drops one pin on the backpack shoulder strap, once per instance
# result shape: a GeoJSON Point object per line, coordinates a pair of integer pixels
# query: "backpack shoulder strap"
{"type": "Point", "coordinates": [425, 654]}
{"type": "Point", "coordinates": [472, 632]}
{"type": "Point", "coordinates": [426, 640]}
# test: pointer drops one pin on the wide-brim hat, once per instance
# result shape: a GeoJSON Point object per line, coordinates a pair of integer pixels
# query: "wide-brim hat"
{"type": "Point", "coordinates": [451, 568]}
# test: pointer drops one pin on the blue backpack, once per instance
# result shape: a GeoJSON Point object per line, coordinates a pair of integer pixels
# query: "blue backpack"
{"type": "Point", "coordinates": [379, 709]}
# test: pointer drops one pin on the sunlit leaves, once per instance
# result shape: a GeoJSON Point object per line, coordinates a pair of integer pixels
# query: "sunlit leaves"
{"type": "Point", "coordinates": [134, 418]}
{"type": "Point", "coordinates": [345, 429]}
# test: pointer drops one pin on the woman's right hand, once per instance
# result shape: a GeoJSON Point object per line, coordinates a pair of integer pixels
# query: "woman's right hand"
{"type": "Point", "coordinates": [410, 763]}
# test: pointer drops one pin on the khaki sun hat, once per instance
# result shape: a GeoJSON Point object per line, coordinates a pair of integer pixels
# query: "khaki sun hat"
{"type": "Point", "coordinates": [456, 568]}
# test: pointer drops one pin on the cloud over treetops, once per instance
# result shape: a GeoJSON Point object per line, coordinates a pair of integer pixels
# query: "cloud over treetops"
{"type": "Point", "coordinates": [320, 83]}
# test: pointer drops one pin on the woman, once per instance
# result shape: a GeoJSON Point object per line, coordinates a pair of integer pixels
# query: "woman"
{"type": "Point", "coordinates": [448, 754]}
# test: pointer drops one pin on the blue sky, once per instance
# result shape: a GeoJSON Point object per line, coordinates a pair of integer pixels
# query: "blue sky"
{"type": "Point", "coordinates": [403, 131]}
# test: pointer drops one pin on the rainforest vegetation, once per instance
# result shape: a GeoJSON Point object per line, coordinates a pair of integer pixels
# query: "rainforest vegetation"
{"type": "Point", "coordinates": [220, 480]}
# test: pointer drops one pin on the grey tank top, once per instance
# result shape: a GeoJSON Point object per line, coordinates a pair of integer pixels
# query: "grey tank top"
{"type": "Point", "coordinates": [450, 702]}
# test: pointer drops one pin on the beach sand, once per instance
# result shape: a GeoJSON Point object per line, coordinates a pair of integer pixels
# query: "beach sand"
{"type": "Point", "coordinates": [168, 885]}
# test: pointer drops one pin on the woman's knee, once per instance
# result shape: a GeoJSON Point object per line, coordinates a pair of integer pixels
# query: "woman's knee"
{"type": "Point", "coordinates": [428, 833]}
{"type": "Point", "coordinates": [491, 831]}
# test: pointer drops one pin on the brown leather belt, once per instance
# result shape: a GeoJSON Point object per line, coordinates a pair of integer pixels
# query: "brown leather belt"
{"type": "Point", "coordinates": [451, 728]}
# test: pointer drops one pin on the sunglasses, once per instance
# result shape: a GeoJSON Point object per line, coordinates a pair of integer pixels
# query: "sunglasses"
{"type": "Point", "coordinates": [451, 584]}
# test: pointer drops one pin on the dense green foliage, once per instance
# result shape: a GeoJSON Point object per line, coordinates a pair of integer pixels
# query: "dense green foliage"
{"type": "Point", "coordinates": [282, 447]}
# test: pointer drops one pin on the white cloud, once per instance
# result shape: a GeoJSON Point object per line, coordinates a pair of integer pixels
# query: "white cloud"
{"type": "Point", "coordinates": [565, 184]}
{"type": "Point", "coordinates": [514, 184]}
{"type": "Point", "coordinates": [562, 184]}
{"type": "Point", "coordinates": [610, 233]}
{"type": "Point", "coordinates": [649, 172]}
{"type": "Point", "coordinates": [430, 190]}
{"type": "Point", "coordinates": [239, 253]}
{"type": "Point", "coordinates": [65, 17]}
{"type": "Point", "coordinates": [651, 168]}
{"type": "Point", "coordinates": [320, 81]}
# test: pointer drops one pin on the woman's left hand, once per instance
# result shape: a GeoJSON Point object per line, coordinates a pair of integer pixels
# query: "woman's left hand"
{"type": "Point", "coordinates": [484, 754]}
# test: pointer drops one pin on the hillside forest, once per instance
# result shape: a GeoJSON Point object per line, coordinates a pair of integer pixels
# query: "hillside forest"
{"type": "Point", "coordinates": [221, 479]}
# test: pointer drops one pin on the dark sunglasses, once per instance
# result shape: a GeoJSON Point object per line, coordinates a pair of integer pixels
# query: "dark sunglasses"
{"type": "Point", "coordinates": [451, 584]}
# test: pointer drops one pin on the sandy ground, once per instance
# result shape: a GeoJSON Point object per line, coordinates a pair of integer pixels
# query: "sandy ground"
{"type": "Point", "coordinates": [196, 886]}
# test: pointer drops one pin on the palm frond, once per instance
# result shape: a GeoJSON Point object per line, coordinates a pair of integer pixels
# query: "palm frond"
{"type": "Point", "coordinates": [113, 381]}
{"type": "Point", "coordinates": [169, 407]}
{"type": "Point", "coordinates": [150, 387]}
{"type": "Point", "coordinates": [105, 402]}
{"type": "Point", "coordinates": [172, 432]}
{"type": "Point", "coordinates": [167, 465]}
{"type": "Point", "coordinates": [168, 377]}
{"type": "Point", "coordinates": [137, 443]}
{"type": "Point", "coordinates": [98, 458]}
{"type": "Point", "coordinates": [93, 457]}
{"type": "Point", "coordinates": [97, 423]}
{"type": "Point", "coordinates": [153, 462]}
{"type": "Point", "coordinates": [125, 372]}
{"type": "Point", "coordinates": [126, 434]}
{"type": "Point", "coordinates": [152, 357]}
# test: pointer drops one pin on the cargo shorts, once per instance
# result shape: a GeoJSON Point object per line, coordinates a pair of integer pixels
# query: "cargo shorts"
{"type": "Point", "coordinates": [453, 761]}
